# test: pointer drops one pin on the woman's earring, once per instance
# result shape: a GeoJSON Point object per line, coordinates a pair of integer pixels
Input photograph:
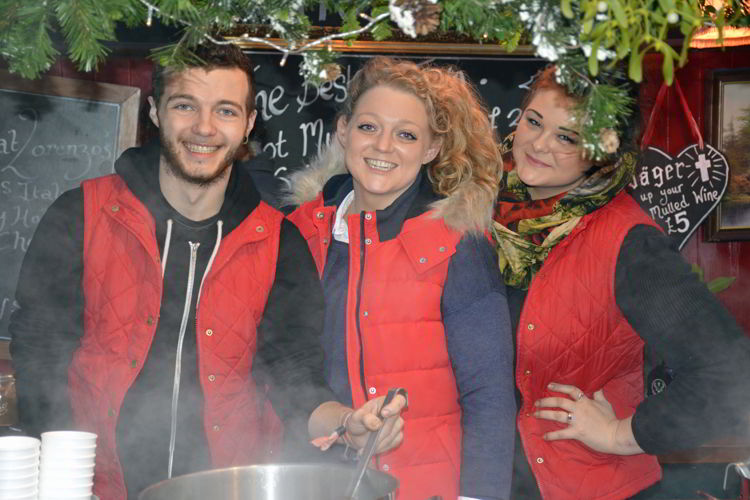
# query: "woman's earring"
{"type": "Point", "coordinates": [244, 141]}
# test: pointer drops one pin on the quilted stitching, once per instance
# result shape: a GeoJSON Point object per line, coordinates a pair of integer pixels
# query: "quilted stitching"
{"type": "Point", "coordinates": [580, 337]}
{"type": "Point", "coordinates": [116, 330]}
{"type": "Point", "coordinates": [395, 281]}
{"type": "Point", "coordinates": [410, 292]}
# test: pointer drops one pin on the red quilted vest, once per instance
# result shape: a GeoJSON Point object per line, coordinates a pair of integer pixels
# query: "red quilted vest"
{"type": "Point", "coordinates": [572, 332]}
{"type": "Point", "coordinates": [402, 338]}
{"type": "Point", "coordinates": [122, 287]}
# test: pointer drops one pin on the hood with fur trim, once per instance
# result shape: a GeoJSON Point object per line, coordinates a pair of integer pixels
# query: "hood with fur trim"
{"type": "Point", "coordinates": [468, 209]}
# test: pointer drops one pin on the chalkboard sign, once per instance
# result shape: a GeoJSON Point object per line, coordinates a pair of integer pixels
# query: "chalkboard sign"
{"type": "Point", "coordinates": [54, 133]}
{"type": "Point", "coordinates": [295, 120]}
{"type": "Point", "coordinates": [679, 192]}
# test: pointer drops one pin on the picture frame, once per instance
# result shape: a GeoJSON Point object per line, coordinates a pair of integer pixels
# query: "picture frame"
{"type": "Point", "coordinates": [728, 130]}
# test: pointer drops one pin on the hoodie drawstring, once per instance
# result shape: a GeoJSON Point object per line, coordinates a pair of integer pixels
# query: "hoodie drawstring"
{"type": "Point", "coordinates": [219, 225]}
{"type": "Point", "coordinates": [165, 250]}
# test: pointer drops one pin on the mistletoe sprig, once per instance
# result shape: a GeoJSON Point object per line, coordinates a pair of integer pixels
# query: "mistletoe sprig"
{"type": "Point", "coordinates": [591, 40]}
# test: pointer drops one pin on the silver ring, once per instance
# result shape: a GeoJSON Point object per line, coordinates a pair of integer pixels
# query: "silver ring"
{"type": "Point", "coordinates": [580, 396]}
{"type": "Point", "coordinates": [570, 417]}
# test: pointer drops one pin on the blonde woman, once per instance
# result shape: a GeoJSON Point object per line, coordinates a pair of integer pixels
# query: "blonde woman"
{"type": "Point", "coordinates": [394, 214]}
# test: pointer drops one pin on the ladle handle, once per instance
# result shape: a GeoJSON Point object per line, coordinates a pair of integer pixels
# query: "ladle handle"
{"type": "Point", "coordinates": [369, 450]}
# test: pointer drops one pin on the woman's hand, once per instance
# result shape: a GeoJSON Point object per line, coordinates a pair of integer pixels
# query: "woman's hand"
{"type": "Point", "coordinates": [590, 421]}
{"type": "Point", "coordinates": [365, 419]}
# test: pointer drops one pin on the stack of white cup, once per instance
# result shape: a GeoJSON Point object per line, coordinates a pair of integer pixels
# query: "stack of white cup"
{"type": "Point", "coordinates": [66, 470]}
{"type": "Point", "coordinates": [19, 467]}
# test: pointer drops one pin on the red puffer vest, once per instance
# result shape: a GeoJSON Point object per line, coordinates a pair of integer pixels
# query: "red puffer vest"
{"type": "Point", "coordinates": [572, 332]}
{"type": "Point", "coordinates": [393, 312]}
{"type": "Point", "coordinates": [122, 285]}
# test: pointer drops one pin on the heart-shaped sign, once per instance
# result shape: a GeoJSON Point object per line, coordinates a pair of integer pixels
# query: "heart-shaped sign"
{"type": "Point", "coordinates": [679, 193]}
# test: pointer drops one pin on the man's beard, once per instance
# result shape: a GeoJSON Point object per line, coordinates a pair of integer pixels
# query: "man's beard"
{"type": "Point", "coordinates": [177, 168]}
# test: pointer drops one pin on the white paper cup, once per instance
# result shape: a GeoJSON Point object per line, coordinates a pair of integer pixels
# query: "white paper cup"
{"type": "Point", "coordinates": [78, 463]}
{"type": "Point", "coordinates": [19, 442]}
{"type": "Point", "coordinates": [18, 446]}
{"type": "Point", "coordinates": [32, 496]}
{"type": "Point", "coordinates": [14, 472]}
{"type": "Point", "coordinates": [66, 481]}
{"type": "Point", "coordinates": [59, 489]}
{"type": "Point", "coordinates": [21, 480]}
{"type": "Point", "coordinates": [19, 491]}
{"type": "Point", "coordinates": [51, 496]}
{"type": "Point", "coordinates": [82, 451]}
{"type": "Point", "coordinates": [72, 446]}
{"type": "Point", "coordinates": [19, 462]}
{"type": "Point", "coordinates": [78, 474]}
{"type": "Point", "coordinates": [58, 439]}
{"type": "Point", "coordinates": [72, 473]}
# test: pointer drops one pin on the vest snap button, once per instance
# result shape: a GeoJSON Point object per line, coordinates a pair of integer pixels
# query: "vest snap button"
{"type": "Point", "coordinates": [540, 460]}
{"type": "Point", "coordinates": [209, 332]}
{"type": "Point", "coordinates": [441, 249]}
{"type": "Point", "coordinates": [372, 390]}
{"type": "Point", "coordinates": [386, 467]}
{"type": "Point", "coordinates": [527, 372]}
{"type": "Point", "coordinates": [115, 208]}
{"type": "Point", "coordinates": [211, 378]}
{"type": "Point", "coordinates": [319, 215]}
{"type": "Point", "coordinates": [530, 326]}
{"type": "Point", "coordinates": [368, 241]}
{"type": "Point", "coordinates": [422, 260]}
{"type": "Point", "coordinates": [150, 320]}
{"type": "Point", "coordinates": [368, 216]}
{"type": "Point", "coordinates": [259, 229]}
{"type": "Point", "coordinates": [365, 314]}
{"type": "Point", "coordinates": [216, 427]}
{"type": "Point", "coordinates": [325, 241]}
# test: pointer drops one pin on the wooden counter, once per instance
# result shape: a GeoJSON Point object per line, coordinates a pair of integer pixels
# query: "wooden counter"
{"type": "Point", "coordinates": [724, 451]}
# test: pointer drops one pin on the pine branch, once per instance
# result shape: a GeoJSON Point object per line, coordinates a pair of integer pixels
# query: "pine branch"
{"type": "Point", "coordinates": [85, 25]}
{"type": "Point", "coordinates": [487, 20]}
{"type": "Point", "coordinates": [26, 44]}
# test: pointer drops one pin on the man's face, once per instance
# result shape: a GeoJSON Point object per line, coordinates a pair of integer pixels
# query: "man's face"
{"type": "Point", "coordinates": [202, 120]}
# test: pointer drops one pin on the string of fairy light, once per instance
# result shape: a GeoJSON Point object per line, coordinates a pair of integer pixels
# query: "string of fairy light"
{"type": "Point", "coordinates": [291, 48]}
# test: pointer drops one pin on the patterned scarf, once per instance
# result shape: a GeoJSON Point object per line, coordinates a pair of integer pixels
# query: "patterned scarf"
{"type": "Point", "coordinates": [541, 224]}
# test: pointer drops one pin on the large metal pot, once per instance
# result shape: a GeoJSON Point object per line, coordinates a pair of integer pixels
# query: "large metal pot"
{"type": "Point", "coordinates": [273, 482]}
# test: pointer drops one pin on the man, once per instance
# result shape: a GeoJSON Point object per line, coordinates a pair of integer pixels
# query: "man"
{"type": "Point", "coordinates": [148, 298]}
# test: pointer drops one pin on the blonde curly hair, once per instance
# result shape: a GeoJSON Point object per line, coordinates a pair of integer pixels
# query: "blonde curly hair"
{"type": "Point", "coordinates": [469, 152]}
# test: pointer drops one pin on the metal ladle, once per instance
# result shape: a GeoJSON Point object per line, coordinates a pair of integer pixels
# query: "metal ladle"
{"type": "Point", "coordinates": [369, 450]}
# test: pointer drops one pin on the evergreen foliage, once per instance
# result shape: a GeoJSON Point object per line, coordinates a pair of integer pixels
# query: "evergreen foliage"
{"type": "Point", "coordinates": [589, 40]}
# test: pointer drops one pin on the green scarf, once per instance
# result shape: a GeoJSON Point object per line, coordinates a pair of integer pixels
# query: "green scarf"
{"type": "Point", "coordinates": [520, 258]}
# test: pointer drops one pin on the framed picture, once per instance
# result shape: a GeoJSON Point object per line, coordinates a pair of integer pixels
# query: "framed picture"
{"type": "Point", "coordinates": [728, 120]}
